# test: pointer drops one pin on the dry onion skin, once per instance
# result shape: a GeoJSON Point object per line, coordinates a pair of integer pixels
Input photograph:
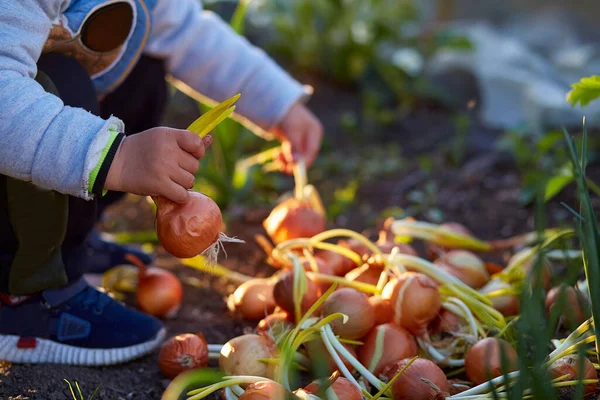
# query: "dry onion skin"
{"type": "Point", "coordinates": [241, 355]}
{"type": "Point", "coordinates": [382, 310]}
{"type": "Point", "coordinates": [356, 306]}
{"type": "Point", "coordinates": [415, 299]}
{"type": "Point", "coordinates": [342, 387]}
{"type": "Point", "coordinates": [508, 304]}
{"type": "Point", "coordinates": [411, 386]}
{"type": "Point", "coordinates": [570, 365]}
{"type": "Point", "coordinates": [574, 303]}
{"type": "Point", "coordinates": [384, 345]}
{"type": "Point", "coordinates": [266, 390]}
{"type": "Point", "coordinates": [253, 299]}
{"type": "Point", "coordinates": [159, 292]}
{"type": "Point", "coordinates": [293, 219]}
{"type": "Point", "coordinates": [484, 360]}
{"type": "Point", "coordinates": [181, 353]}
{"type": "Point", "coordinates": [465, 266]}
{"type": "Point", "coordinates": [195, 227]}
{"type": "Point", "coordinates": [283, 292]}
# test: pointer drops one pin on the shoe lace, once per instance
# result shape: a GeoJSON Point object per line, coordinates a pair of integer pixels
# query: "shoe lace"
{"type": "Point", "coordinates": [92, 297]}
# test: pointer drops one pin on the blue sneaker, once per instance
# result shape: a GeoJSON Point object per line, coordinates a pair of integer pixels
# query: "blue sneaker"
{"type": "Point", "coordinates": [76, 325]}
{"type": "Point", "coordinates": [102, 255]}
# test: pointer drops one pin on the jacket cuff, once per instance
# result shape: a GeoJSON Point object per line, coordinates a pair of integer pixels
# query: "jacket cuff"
{"type": "Point", "coordinates": [98, 175]}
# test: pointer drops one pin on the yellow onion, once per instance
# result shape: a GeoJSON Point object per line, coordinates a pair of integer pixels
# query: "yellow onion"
{"type": "Point", "coordinates": [415, 300]}
{"type": "Point", "coordinates": [382, 309]}
{"type": "Point", "coordinates": [484, 360]}
{"type": "Point", "coordinates": [293, 219]}
{"type": "Point", "coordinates": [186, 230]}
{"type": "Point", "coordinates": [241, 355]}
{"type": "Point", "coordinates": [274, 324]}
{"type": "Point", "coordinates": [508, 304]}
{"type": "Point", "coordinates": [253, 299]}
{"type": "Point", "coordinates": [267, 390]}
{"type": "Point", "coordinates": [411, 384]}
{"type": "Point", "coordinates": [337, 263]}
{"type": "Point", "coordinates": [181, 353]}
{"type": "Point", "coordinates": [342, 387]}
{"type": "Point", "coordinates": [570, 366]}
{"type": "Point", "coordinates": [317, 353]}
{"type": "Point", "coordinates": [159, 292]}
{"type": "Point", "coordinates": [283, 292]}
{"type": "Point", "coordinates": [574, 303]}
{"type": "Point", "coordinates": [368, 273]}
{"type": "Point", "coordinates": [384, 345]}
{"type": "Point", "coordinates": [356, 306]}
{"type": "Point", "coordinates": [466, 266]}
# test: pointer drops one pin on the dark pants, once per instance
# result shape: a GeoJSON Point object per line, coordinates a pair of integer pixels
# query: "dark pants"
{"type": "Point", "coordinates": [42, 233]}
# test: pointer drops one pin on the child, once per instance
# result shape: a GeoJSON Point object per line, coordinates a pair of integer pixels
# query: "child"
{"type": "Point", "coordinates": [77, 78]}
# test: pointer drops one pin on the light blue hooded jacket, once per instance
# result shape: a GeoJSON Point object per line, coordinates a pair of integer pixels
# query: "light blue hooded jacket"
{"type": "Point", "coordinates": [56, 147]}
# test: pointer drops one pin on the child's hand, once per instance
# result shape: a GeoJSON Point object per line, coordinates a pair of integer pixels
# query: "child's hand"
{"type": "Point", "coordinates": [300, 133]}
{"type": "Point", "coordinates": [159, 161]}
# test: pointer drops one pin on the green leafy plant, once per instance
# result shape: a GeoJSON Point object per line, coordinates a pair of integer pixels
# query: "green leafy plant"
{"type": "Point", "coordinates": [585, 91]}
{"type": "Point", "coordinates": [79, 391]}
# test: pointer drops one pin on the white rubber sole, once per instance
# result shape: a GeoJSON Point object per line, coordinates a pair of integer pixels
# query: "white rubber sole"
{"type": "Point", "coordinates": [47, 351]}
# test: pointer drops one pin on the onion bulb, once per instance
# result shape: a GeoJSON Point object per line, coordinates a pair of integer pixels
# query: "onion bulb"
{"type": "Point", "coordinates": [356, 246]}
{"type": "Point", "coordinates": [574, 306]}
{"type": "Point", "coordinates": [338, 264]}
{"type": "Point", "coordinates": [253, 299]}
{"type": "Point", "coordinates": [465, 266]}
{"type": "Point", "coordinates": [366, 274]}
{"type": "Point", "coordinates": [241, 355]}
{"type": "Point", "coordinates": [182, 352]}
{"type": "Point", "coordinates": [382, 310]}
{"type": "Point", "coordinates": [484, 360]}
{"type": "Point", "coordinates": [508, 304]}
{"type": "Point", "coordinates": [571, 365]}
{"type": "Point", "coordinates": [186, 230]}
{"type": "Point", "coordinates": [415, 299]}
{"type": "Point", "coordinates": [318, 355]}
{"type": "Point", "coordinates": [446, 322]}
{"type": "Point", "coordinates": [283, 292]}
{"type": "Point", "coordinates": [384, 345]}
{"type": "Point", "coordinates": [266, 390]}
{"type": "Point", "coordinates": [293, 219]}
{"type": "Point", "coordinates": [274, 324]}
{"type": "Point", "coordinates": [422, 380]}
{"type": "Point", "coordinates": [385, 243]}
{"type": "Point", "coordinates": [342, 387]}
{"type": "Point", "coordinates": [159, 292]}
{"type": "Point", "coordinates": [356, 306]}
{"type": "Point", "coordinates": [434, 250]}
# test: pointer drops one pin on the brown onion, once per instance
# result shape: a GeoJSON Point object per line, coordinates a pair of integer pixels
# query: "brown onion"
{"type": "Point", "coordinates": [386, 243]}
{"type": "Point", "coordinates": [339, 265]}
{"type": "Point", "coordinates": [342, 387]}
{"type": "Point", "coordinates": [384, 345]}
{"type": "Point", "coordinates": [356, 246]}
{"type": "Point", "coordinates": [253, 299]}
{"type": "Point", "coordinates": [182, 352]}
{"type": "Point", "coordinates": [159, 292]}
{"type": "Point", "coordinates": [317, 353]}
{"type": "Point", "coordinates": [574, 303]}
{"type": "Point", "coordinates": [366, 274]}
{"type": "Point", "coordinates": [267, 390]}
{"type": "Point", "coordinates": [411, 385]}
{"type": "Point", "coordinates": [465, 266]}
{"type": "Point", "coordinates": [484, 360]}
{"type": "Point", "coordinates": [325, 269]}
{"type": "Point", "coordinates": [186, 230]}
{"type": "Point", "coordinates": [274, 324]}
{"type": "Point", "coordinates": [283, 292]}
{"type": "Point", "coordinates": [415, 299]}
{"type": "Point", "coordinates": [356, 306]}
{"type": "Point", "coordinates": [508, 305]}
{"type": "Point", "coordinates": [382, 309]}
{"type": "Point", "coordinates": [447, 322]}
{"type": "Point", "coordinates": [241, 355]}
{"type": "Point", "coordinates": [293, 219]}
{"type": "Point", "coordinates": [571, 365]}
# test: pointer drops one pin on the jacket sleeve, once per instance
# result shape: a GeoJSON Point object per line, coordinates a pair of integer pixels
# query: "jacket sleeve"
{"type": "Point", "coordinates": [41, 140]}
{"type": "Point", "coordinates": [205, 53]}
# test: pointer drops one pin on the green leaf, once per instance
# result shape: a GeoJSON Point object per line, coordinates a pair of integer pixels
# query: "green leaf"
{"type": "Point", "coordinates": [186, 380]}
{"type": "Point", "coordinates": [558, 182]}
{"type": "Point", "coordinates": [584, 91]}
{"type": "Point", "coordinates": [239, 15]}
